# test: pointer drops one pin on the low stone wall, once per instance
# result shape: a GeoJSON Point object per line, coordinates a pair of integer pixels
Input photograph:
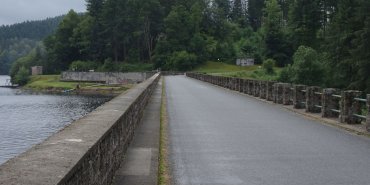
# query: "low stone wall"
{"type": "Point", "coordinates": [106, 77]}
{"type": "Point", "coordinates": [347, 106]}
{"type": "Point", "coordinates": [89, 151]}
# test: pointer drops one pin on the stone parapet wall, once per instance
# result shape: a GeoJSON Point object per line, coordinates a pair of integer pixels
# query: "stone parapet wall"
{"type": "Point", "coordinates": [347, 106]}
{"type": "Point", "coordinates": [106, 77]}
{"type": "Point", "coordinates": [87, 152]}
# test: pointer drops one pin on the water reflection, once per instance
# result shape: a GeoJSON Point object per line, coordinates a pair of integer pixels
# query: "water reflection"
{"type": "Point", "coordinates": [26, 120]}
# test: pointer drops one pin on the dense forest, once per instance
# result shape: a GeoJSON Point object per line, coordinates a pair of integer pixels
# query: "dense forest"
{"type": "Point", "coordinates": [318, 42]}
{"type": "Point", "coordinates": [18, 40]}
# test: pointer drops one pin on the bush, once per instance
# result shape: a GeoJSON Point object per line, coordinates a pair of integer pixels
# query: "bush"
{"type": "Point", "coordinates": [286, 75]}
{"type": "Point", "coordinates": [182, 61]}
{"type": "Point", "coordinates": [83, 66]}
{"type": "Point", "coordinates": [22, 76]}
{"type": "Point", "coordinates": [109, 66]}
{"type": "Point", "coordinates": [135, 67]}
{"type": "Point", "coordinates": [268, 65]}
{"type": "Point", "coordinates": [307, 67]}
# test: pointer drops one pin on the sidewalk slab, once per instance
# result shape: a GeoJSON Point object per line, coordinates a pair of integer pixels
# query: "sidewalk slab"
{"type": "Point", "coordinates": [140, 164]}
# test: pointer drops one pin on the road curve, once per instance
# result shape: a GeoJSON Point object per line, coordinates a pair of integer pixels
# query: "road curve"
{"type": "Point", "coordinates": [219, 137]}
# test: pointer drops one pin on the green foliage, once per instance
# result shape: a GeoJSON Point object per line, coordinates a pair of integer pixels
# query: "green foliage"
{"type": "Point", "coordinates": [182, 61]}
{"type": "Point", "coordinates": [35, 57]}
{"type": "Point", "coordinates": [135, 67]}
{"type": "Point", "coordinates": [307, 67]}
{"type": "Point", "coordinates": [304, 22]}
{"type": "Point", "coordinates": [18, 40]}
{"type": "Point", "coordinates": [62, 46]}
{"type": "Point", "coordinates": [286, 75]}
{"type": "Point", "coordinates": [255, 12]}
{"type": "Point", "coordinates": [268, 65]}
{"type": "Point", "coordinates": [347, 46]}
{"type": "Point", "coordinates": [180, 35]}
{"type": "Point", "coordinates": [21, 77]}
{"type": "Point", "coordinates": [109, 66]}
{"type": "Point", "coordinates": [250, 72]}
{"type": "Point", "coordinates": [83, 66]}
{"type": "Point", "coordinates": [276, 45]}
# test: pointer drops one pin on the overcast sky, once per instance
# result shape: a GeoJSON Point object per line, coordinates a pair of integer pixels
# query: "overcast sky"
{"type": "Point", "coordinates": [15, 11]}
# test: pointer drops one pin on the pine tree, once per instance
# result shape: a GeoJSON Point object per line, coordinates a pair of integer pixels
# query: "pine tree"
{"type": "Point", "coordinates": [238, 13]}
{"type": "Point", "coordinates": [255, 13]}
{"type": "Point", "coordinates": [275, 45]}
{"type": "Point", "coordinates": [361, 47]}
{"type": "Point", "coordinates": [340, 41]}
{"type": "Point", "coordinates": [305, 21]}
{"type": "Point", "coordinates": [94, 35]}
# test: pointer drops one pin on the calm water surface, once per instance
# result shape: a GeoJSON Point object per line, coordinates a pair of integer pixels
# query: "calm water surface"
{"type": "Point", "coordinates": [26, 120]}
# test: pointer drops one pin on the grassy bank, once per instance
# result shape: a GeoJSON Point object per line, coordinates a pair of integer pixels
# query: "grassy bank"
{"type": "Point", "coordinates": [52, 83]}
{"type": "Point", "coordinates": [164, 177]}
{"type": "Point", "coordinates": [251, 72]}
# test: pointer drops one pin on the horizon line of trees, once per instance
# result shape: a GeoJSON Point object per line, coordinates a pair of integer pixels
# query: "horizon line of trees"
{"type": "Point", "coordinates": [319, 42]}
{"type": "Point", "coordinates": [18, 40]}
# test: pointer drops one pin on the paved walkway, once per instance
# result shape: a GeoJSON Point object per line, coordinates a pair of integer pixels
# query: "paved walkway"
{"type": "Point", "coordinates": [141, 163]}
{"type": "Point", "coordinates": [219, 137]}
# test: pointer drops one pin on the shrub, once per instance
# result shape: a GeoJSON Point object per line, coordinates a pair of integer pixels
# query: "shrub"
{"type": "Point", "coordinates": [22, 76]}
{"type": "Point", "coordinates": [109, 66]}
{"type": "Point", "coordinates": [307, 67]}
{"type": "Point", "coordinates": [182, 61]}
{"type": "Point", "coordinates": [286, 75]}
{"type": "Point", "coordinates": [127, 67]}
{"type": "Point", "coordinates": [83, 66]}
{"type": "Point", "coordinates": [268, 65]}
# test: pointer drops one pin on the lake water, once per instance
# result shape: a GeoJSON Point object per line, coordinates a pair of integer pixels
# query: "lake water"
{"type": "Point", "coordinates": [26, 119]}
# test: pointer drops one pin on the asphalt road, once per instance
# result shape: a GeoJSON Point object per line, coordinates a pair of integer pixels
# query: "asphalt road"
{"type": "Point", "coordinates": [221, 137]}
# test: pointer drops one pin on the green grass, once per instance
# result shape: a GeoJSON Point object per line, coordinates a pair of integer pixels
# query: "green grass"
{"type": "Point", "coordinates": [52, 83]}
{"type": "Point", "coordinates": [250, 72]}
{"type": "Point", "coordinates": [163, 168]}
{"type": "Point", "coordinates": [41, 82]}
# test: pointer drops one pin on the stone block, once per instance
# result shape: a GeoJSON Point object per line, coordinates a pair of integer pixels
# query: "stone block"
{"type": "Point", "coordinates": [256, 85]}
{"type": "Point", "coordinates": [270, 90]}
{"type": "Point", "coordinates": [263, 90]}
{"type": "Point", "coordinates": [329, 102]}
{"type": "Point", "coordinates": [299, 96]}
{"type": "Point", "coordinates": [348, 107]}
{"type": "Point", "coordinates": [278, 93]}
{"type": "Point", "coordinates": [287, 93]}
{"type": "Point", "coordinates": [313, 99]}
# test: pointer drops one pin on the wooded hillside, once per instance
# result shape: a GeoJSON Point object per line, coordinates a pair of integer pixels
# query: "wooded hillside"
{"type": "Point", "coordinates": [19, 39]}
{"type": "Point", "coordinates": [319, 42]}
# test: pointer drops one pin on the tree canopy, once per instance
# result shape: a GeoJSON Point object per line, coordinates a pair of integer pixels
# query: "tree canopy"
{"type": "Point", "coordinates": [330, 35]}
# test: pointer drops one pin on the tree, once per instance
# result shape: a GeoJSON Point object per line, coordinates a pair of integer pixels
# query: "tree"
{"type": "Point", "coordinates": [61, 47]}
{"type": "Point", "coordinates": [305, 21]}
{"type": "Point", "coordinates": [22, 76]}
{"type": "Point", "coordinates": [361, 47]}
{"type": "Point", "coordinates": [340, 42]}
{"type": "Point", "coordinates": [92, 33]}
{"type": "Point", "coordinates": [275, 45]}
{"type": "Point", "coordinates": [307, 67]}
{"type": "Point", "coordinates": [255, 13]}
{"type": "Point", "coordinates": [239, 14]}
{"type": "Point", "coordinates": [223, 8]}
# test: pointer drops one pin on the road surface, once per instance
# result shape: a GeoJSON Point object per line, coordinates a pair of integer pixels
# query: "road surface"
{"type": "Point", "coordinates": [220, 137]}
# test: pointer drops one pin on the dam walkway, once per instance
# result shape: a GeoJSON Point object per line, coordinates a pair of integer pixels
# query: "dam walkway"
{"type": "Point", "coordinates": [222, 137]}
